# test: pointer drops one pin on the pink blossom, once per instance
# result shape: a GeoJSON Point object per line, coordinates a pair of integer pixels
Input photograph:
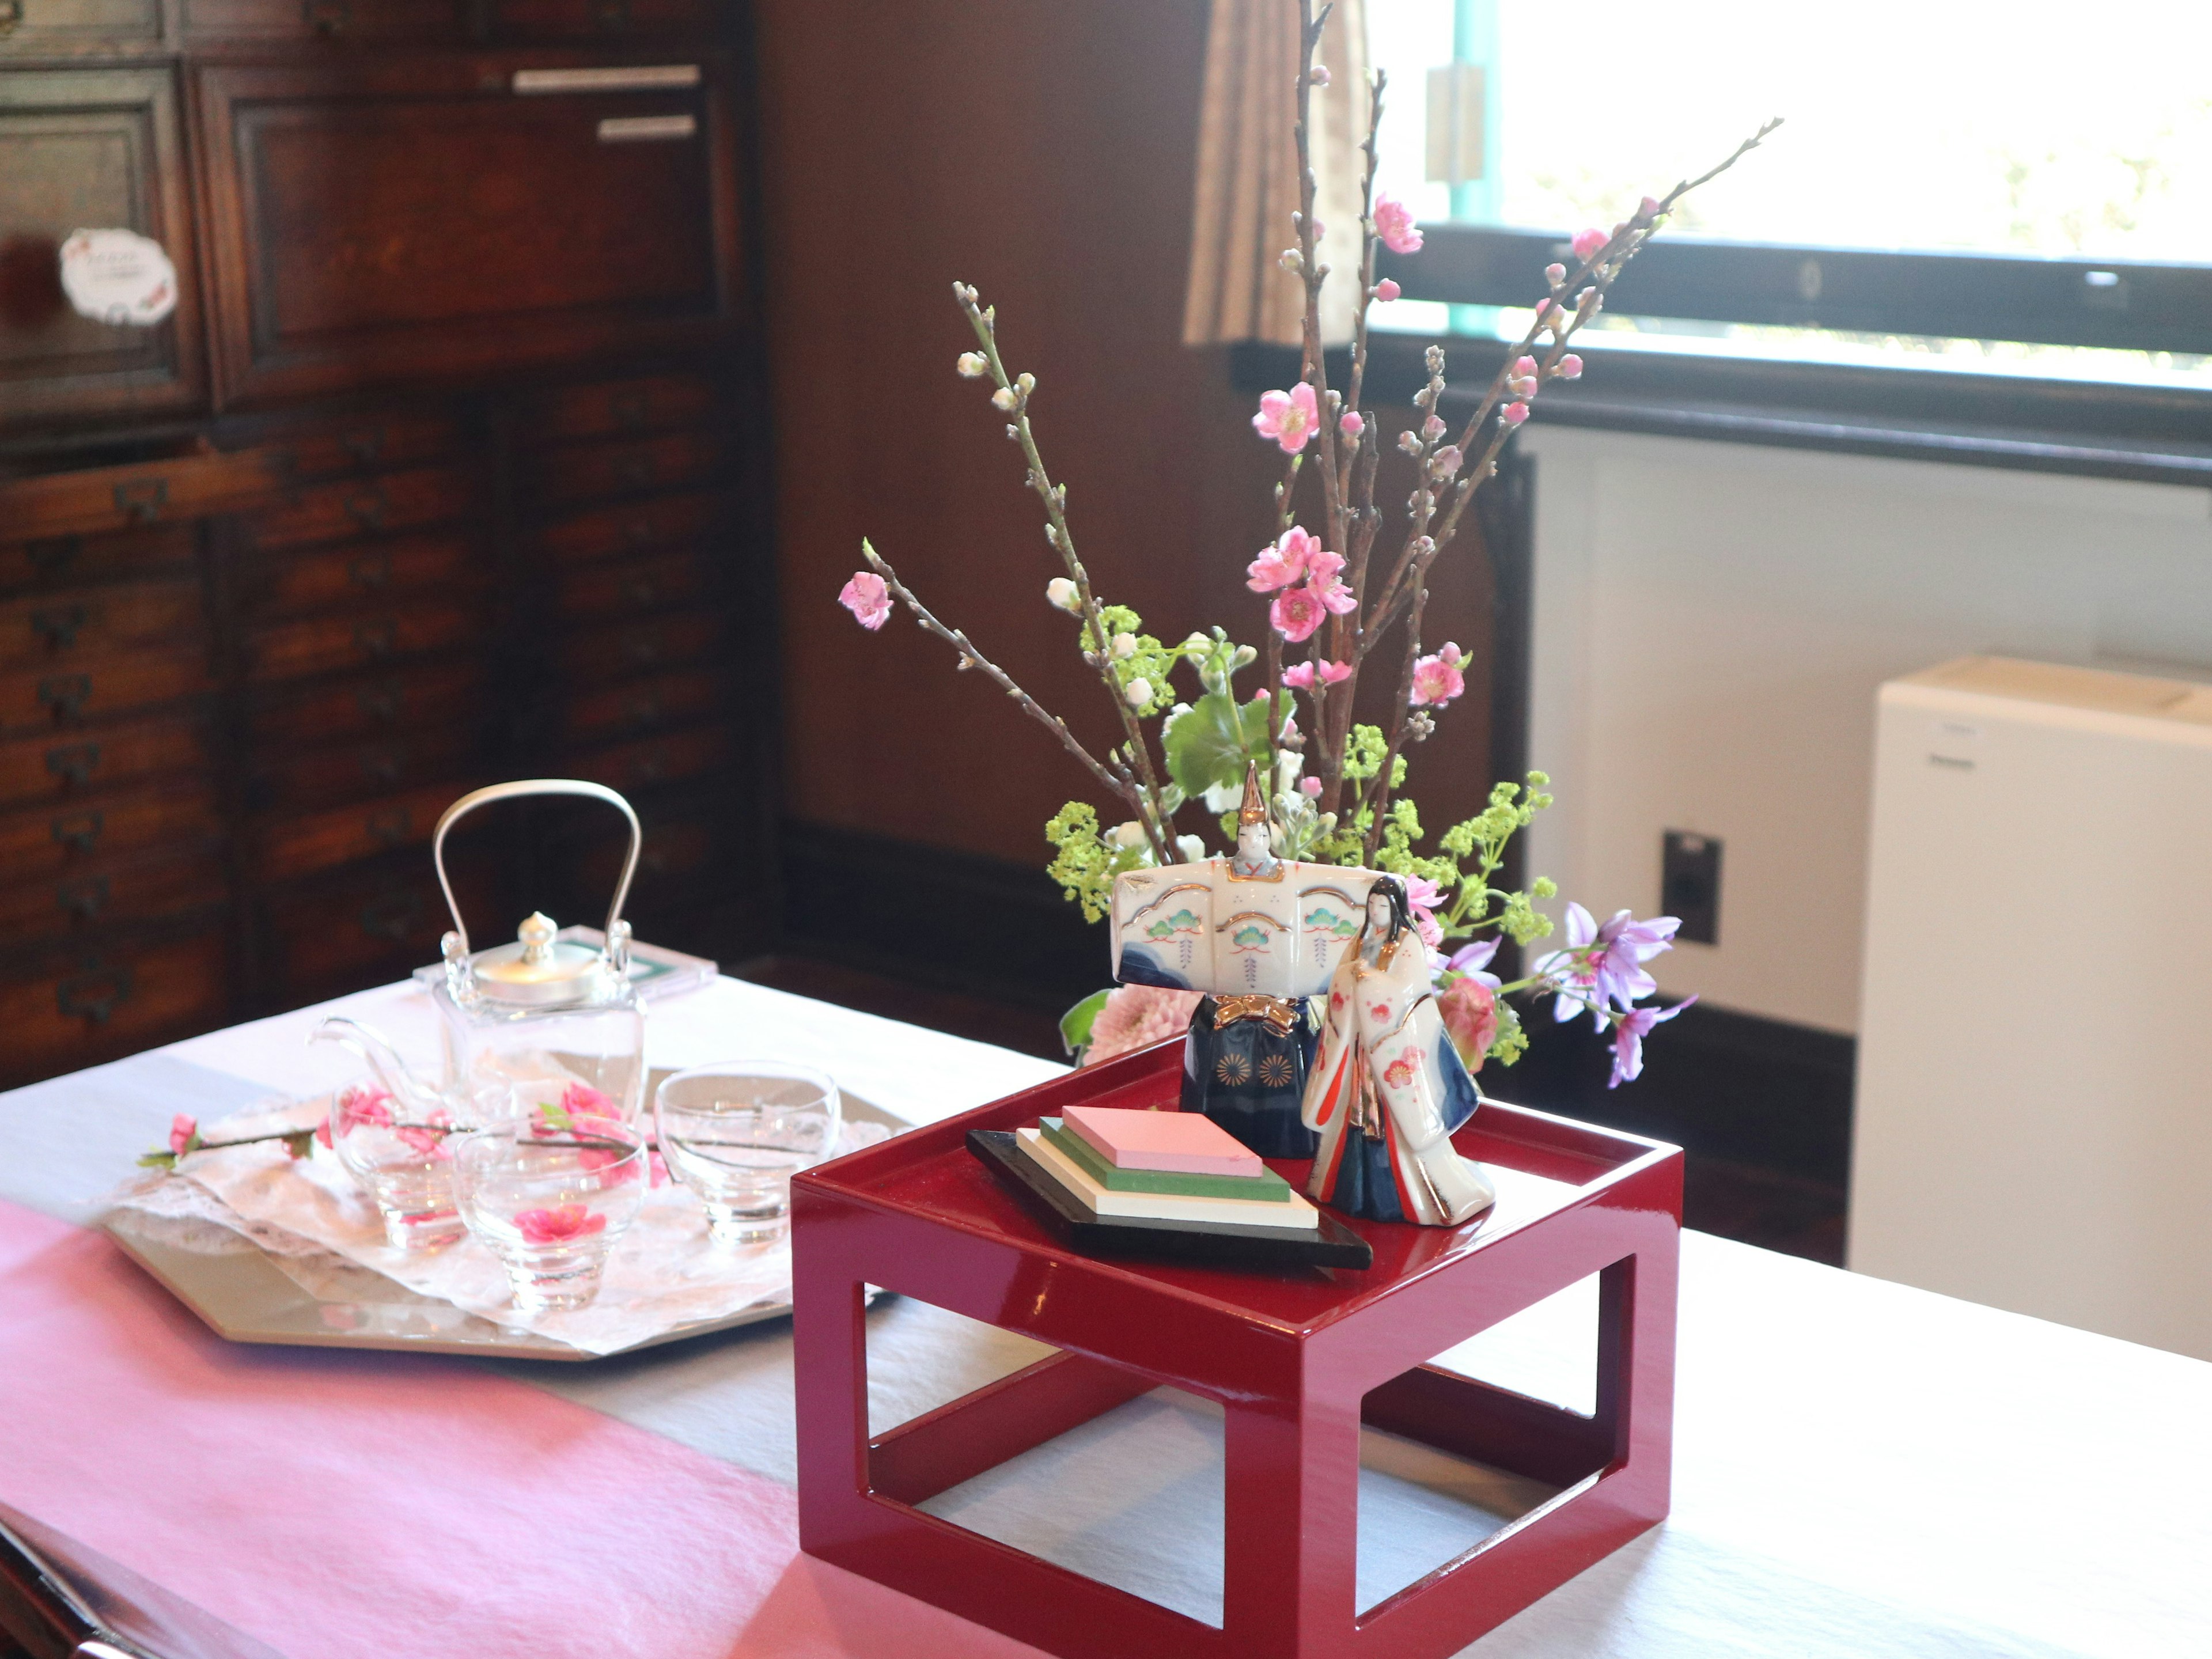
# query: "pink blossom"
{"type": "Point", "coordinates": [429, 1137]}
{"type": "Point", "coordinates": [1301, 674]}
{"type": "Point", "coordinates": [1353, 424]}
{"type": "Point", "coordinates": [1570, 368]}
{"type": "Point", "coordinates": [1469, 1009]}
{"type": "Point", "coordinates": [1588, 242]}
{"type": "Point", "coordinates": [867, 598]}
{"type": "Point", "coordinates": [1394, 224]}
{"type": "Point", "coordinates": [1433, 427]}
{"type": "Point", "coordinates": [1386, 290]}
{"type": "Point", "coordinates": [1288, 418]}
{"type": "Point", "coordinates": [1423, 897]}
{"type": "Point", "coordinates": [1447, 460]}
{"type": "Point", "coordinates": [1555, 275]}
{"type": "Point", "coordinates": [183, 1133]}
{"type": "Point", "coordinates": [358, 1108]}
{"type": "Point", "coordinates": [1336, 595]}
{"type": "Point", "coordinates": [563, 1225]}
{"type": "Point", "coordinates": [1628, 1039]}
{"type": "Point", "coordinates": [1319, 76]}
{"type": "Point", "coordinates": [1322, 565]}
{"type": "Point", "coordinates": [581, 1100]}
{"type": "Point", "coordinates": [1524, 367]}
{"type": "Point", "coordinates": [1295, 613]}
{"type": "Point", "coordinates": [1285, 562]}
{"type": "Point", "coordinates": [1648, 208]}
{"type": "Point", "coordinates": [1439, 678]}
{"type": "Point", "coordinates": [1515, 412]}
{"type": "Point", "coordinates": [1136, 1017]}
{"type": "Point", "coordinates": [1310, 787]}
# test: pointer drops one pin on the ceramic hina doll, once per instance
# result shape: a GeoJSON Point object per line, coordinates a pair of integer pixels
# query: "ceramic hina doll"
{"type": "Point", "coordinates": [1261, 935]}
{"type": "Point", "coordinates": [1387, 1088]}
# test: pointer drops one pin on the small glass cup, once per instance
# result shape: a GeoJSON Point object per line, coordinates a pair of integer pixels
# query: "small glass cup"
{"type": "Point", "coordinates": [735, 1134]}
{"type": "Point", "coordinates": [550, 1196]}
{"type": "Point", "coordinates": [402, 1156]}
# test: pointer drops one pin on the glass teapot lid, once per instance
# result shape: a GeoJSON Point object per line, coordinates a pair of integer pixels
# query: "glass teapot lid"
{"type": "Point", "coordinates": [539, 969]}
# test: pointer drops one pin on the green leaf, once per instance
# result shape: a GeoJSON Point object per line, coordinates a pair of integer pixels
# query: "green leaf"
{"type": "Point", "coordinates": [302, 1145]}
{"type": "Point", "coordinates": [1211, 743]}
{"type": "Point", "coordinates": [158, 1161]}
{"type": "Point", "coordinates": [1075, 1024]}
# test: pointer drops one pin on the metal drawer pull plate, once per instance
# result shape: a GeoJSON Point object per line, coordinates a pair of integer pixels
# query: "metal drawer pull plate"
{"type": "Point", "coordinates": [95, 993]}
{"type": "Point", "coordinates": [80, 830]}
{"type": "Point", "coordinates": [365, 446]}
{"type": "Point", "coordinates": [327, 16]}
{"type": "Point", "coordinates": [368, 507]}
{"type": "Point", "coordinates": [11, 13]}
{"type": "Point", "coordinates": [140, 499]}
{"type": "Point", "coordinates": [86, 895]}
{"type": "Point", "coordinates": [378, 702]}
{"type": "Point", "coordinates": [391, 825]}
{"type": "Point", "coordinates": [56, 553]}
{"type": "Point", "coordinates": [370, 570]}
{"type": "Point", "coordinates": [65, 694]}
{"type": "Point", "coordinates": [383, 763]}
{"type": "Point", "coordinates": [59, 624]}
{"type": "Point", "coordinates": [374, 638]}
{"type": "Point", "coordinates": [77, 762]}
{"type": "Point", "coordinates": [391, 914]}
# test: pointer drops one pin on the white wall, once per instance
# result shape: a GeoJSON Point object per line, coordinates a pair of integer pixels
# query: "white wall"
{"type": "Point", "coordinates": [1712, 620]}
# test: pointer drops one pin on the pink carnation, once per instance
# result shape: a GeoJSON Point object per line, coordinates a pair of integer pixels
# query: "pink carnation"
{"type": "Point", "coordinates": [1394, 224]}
{"type": "Point", "coordinates": [1469, 1009]}
{"type": "Point", "coordinates": [1288, 418]}
{"type": "Point", "coordinates": [1136, 1017]}
{"type": "Point", "coordinates": [1438, 679]}
{"type": "Point", "coordinates": [867, 598]}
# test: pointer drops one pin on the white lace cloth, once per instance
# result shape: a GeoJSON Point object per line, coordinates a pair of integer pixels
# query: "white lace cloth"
{"type": "Point", "coordinates": [662, 1273]}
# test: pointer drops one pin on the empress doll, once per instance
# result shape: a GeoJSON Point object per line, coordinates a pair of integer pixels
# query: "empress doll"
{"type": "Point", "coordinates": [1386, 1089]}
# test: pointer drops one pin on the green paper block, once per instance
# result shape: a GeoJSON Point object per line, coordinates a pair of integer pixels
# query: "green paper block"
{"type": "Point", "coordinates": [1266, 1187]}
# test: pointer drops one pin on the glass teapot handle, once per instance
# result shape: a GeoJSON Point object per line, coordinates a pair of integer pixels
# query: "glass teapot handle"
{"type": "Point", "coordinates": [515, 791]}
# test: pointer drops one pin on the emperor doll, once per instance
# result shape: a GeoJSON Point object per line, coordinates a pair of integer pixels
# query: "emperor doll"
{"type": "Point", "coordinates": [1260, 935]}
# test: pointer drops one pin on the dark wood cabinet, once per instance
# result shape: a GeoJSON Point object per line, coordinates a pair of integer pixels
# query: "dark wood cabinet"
{"type": "Point", "coordinates": [444, 471]}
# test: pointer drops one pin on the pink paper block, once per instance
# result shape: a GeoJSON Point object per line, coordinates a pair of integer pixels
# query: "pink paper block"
{"type": "Point", "coordinates": [1187, 1142]}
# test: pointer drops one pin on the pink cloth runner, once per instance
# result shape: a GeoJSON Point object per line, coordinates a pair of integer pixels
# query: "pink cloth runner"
{"type": "Point", "coordinates": [396, 1506]}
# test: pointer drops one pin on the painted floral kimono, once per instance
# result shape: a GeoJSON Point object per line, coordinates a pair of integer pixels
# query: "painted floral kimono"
{"type": "Point", "coordinates": [1386, 1090]}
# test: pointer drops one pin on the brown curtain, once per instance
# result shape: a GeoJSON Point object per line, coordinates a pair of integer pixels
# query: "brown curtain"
{"type": "Point", "coordinates": [1246, 186]}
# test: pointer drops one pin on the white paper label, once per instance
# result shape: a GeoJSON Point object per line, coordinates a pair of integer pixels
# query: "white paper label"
{"type": "Point", "coordinates": [118, 277]}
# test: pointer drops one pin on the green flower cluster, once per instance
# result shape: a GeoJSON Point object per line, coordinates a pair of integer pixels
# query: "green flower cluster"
{"type": "Point", "coordinates": [1085, 862]}
{"type": "Point", "coordinates": [1136, 656]}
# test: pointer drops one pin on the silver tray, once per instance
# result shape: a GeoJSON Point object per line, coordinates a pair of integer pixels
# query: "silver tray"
{"type": "Point", "coordinates": [248, 1296]}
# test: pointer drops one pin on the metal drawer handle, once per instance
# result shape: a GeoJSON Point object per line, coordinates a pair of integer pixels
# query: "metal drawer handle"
{"type": "Point", "coordinates": [365, 446]}
{"type": "Point", "coordinates": [640, 531]}
{"type": "Point", "coordinates": [378, 703]}
{"type": "Point", "coordinates": [370, 570]}
{"type": "Point", "coordinates": [81, 830]}
{"type": "Point", "coordinates": [391, 825]}
{"type": "Point", "coordinates": [56, 553]}
{"type": "Point", "coordinates": [644, 706]}
{"type": "Point", "coordinates": [328, 16]}
{"type": "Point", "coordinates": [374, 638]}
{"type": "Point", "coordinates": [629, 410]}
{"type": "Point", "coordinates": [59, 624]}
{"type": "Point", "coordinates": [641, 591]}
{"type": "Point", "coordinates": [368, 507]}
{"type": "Point", "coordinates": [383, 765]}
{"type": "Point", "coordinates": [636, 471]}
{"type": "Point", "coordinates": [392, 915]}
{"type": "Point", "coordinates": [65, 694]}
{"type": "Point", "coordinates": [641, 650]}
{"type": "Point", "coordinates": [651, 766]}
{"type": "Point", "coordinates": [11, 13]}
{"type": "Point", "coordinates": [94, 994]}
{"type": "Point", "coordinates": [140, 499]}
{"type": "Point", "coordinates": [76, 763]}
{"type": "Point", "coordinates": [86, 895]}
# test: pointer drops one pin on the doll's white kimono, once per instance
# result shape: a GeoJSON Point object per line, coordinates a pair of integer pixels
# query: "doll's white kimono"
{"type": "Point", "coordinates": [1386, 1090]}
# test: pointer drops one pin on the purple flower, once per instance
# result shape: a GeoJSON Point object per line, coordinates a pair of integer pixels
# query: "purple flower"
{"type": "Point", "coordinates": [1628, 1039]}
{"type": "Point", "coordinates": [1473, 959]}
{"type": "Point", "coordinates": [1605, 965]}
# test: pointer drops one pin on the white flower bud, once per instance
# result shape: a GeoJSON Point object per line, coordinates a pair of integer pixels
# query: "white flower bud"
{"type": "Point", "coordinates": [1292, 261]}
{"type": "Point", "coordinates": [1125, 646]}
{"type": "Point", "coordinates": [1139, 691]}
{"type": "Point", "coordinates": [974, 364]}
{"type": "Point", "coordinates": [1198, 642]}
{"type": "Point", "coordinates": [1004, 397]}
{"type": "Point", "coordinates": [1129, 835]}
{"type": "Point", "coordinates": [1192, 848]}
{"type": "Point", "coordinates": [1063, 594]}
{"type": "Point", "coordinates": [1026, 381]}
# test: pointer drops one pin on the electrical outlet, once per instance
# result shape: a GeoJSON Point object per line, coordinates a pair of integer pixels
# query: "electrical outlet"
{"type": "Point", "coordinates": [1690, 884]}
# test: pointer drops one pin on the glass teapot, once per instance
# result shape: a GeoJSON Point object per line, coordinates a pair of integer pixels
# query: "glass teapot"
{"type": "Point", "coordinates": [543, 1008]}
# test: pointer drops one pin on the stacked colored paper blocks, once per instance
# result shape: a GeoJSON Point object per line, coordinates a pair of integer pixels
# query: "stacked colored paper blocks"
{"type": "Point", "coordinates": [1163, 1166]}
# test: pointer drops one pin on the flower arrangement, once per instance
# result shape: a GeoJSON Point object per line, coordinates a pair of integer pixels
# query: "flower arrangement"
{"type": "Point", "coordinates": [1335, 595]}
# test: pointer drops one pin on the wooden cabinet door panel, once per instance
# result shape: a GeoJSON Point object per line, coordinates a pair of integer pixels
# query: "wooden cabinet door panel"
{"type": "Point", "coordinates": [324, 644]}
{"type": "Point", "coordinates": [43, 29]}
{"type": "Point", "coordinates": [338, 930]}
{"type": "Point", "coordinates": [61, 766]}
{"type": "Point", "coordinates": [62, 630]}
{"type": "Point", "coordinates": [672, 757]}
{"type": "Point", "coordinates": [330, 773]}
{"type": "Point", "coordinates": [651, 403]}
{"type": "Point", "coordinates": [54, 561]}
{"type": "Point", "coordinates": [50, 841]}
{"type": "Point", "coordinates": [639, 706]}
{"type": "Point", "coordinates": [327, 449]}
{"type": "Point", "coordinates": [374, 705]}
{"type": "Point", "coordinates": [322, 840]}
{"type": "Point", "coordinates": [414, 500]}
{"type": "Point", "coordinates": [364, 573]}
{"type": "Point", "coordinates": [174, 487]}
{"type": "Point", "coordinates": [634, 587]}
{"type": "Point", "coordinates": [478, 227]}
{"type": "Point", "coordinates": [90, 147]}
{"type": "Point", "coordinates": [633, 527]}
{"type": "Point", "coordinates": [168, 883]}
{"type": "Point", "coordinates": [580, 472]}
{"type": "Point", "coordinates": [77, 1006]}
{"type": "Point", "coordinates": [51, 697]}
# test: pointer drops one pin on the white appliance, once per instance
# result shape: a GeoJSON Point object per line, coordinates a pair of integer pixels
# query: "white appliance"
{"type": "Point", "coordinates": [2035, 1114]}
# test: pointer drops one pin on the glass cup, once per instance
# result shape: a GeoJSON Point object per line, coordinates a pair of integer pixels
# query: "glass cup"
{"type": "Point", "coordinates": [735, 1133]}
{"type": "Point", "coordinates": [550, 1194]}
{"type": "Point", "coordinates": [402, 1156]}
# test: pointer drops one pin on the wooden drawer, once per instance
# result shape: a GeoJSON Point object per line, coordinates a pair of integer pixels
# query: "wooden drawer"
{"type": "Point", "coordinates": [635, 588]}
{"type": "Point", "coordinates": [77, 625]}
{"type": "Point", "coordinates": [682, 860]}
{"type": "Point", "coordinates": [64, 766]}
{"type": "Point", "coordinates": [51, 697]}
{"type": "Point", "coordinates": [90, 147]}
{"type": "Point", "coordinates": [168, 490]}
{"type": "Point", "coordinates": [323, 840]}
{"type": "Point", "coordinates": [368, 639]}
{"type": "Point", "coordinates": [418, 499]}
{"type": "Point", "coordinates": [478, 230]}
{"type": "Point", "coordinates": [155, 887]}
{"type": "Point", "coordinates": [369, 443]}
{"type": "Point", "coordinates": [332, 773]}
{"type": "Point", "coordinates": [379, 21]}
{"type": "Point", "coordinates": [604, 533]}
{"type": "Point", "coordinates": [672, 757]}
{"type": "Point", "coordinates": [375, 574]}
{"type": "Point", "coordinates": [639, 705]}
{"type": "Point", "coordinates": [75, 1005]}
{"type": "Point", "coordinates": [40, 28]}
{"type": "Point", "coordinates": [583, 473]}
{"type": "Point", "coordinates": [651, 403]}
{"type": "Point", "coordinates": [70, 560]}
{"type": "Point", "coordinates": [601, 19]}
{"type": "Point", "coordinates": [49, 841]}
{"type": "Point", "coordinates": [344, 930]}
{"type": "Point", "coordinates": [374, 705]}
{"type": "Point", "coordinates": [672, 641]}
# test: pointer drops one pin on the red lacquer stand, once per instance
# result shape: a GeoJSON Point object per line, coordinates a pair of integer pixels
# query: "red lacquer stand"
{"type": "Point", "coordinates": [1298, 1359]}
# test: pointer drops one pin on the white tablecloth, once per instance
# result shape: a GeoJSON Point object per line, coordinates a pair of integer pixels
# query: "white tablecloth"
{"type": "Point", "coordinates": [1860, 1468]}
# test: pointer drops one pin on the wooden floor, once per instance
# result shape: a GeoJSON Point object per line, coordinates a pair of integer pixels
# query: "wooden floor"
{"type": "Point", "coordinates": [1767, 1207]}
